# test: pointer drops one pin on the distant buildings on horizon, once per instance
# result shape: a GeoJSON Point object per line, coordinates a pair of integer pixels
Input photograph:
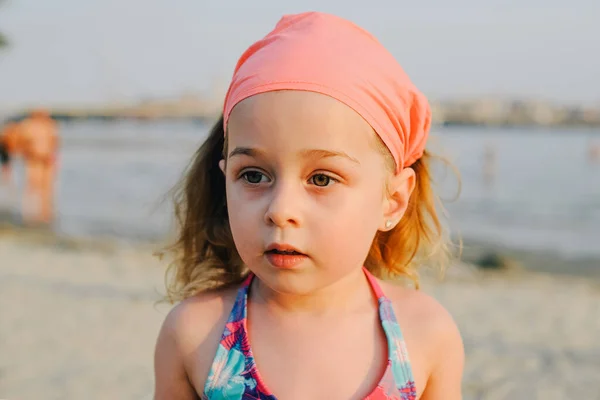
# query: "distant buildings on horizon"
{"type": "Point", "coordinates": [476, 111]}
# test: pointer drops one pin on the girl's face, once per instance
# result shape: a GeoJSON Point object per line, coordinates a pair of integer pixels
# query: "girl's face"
{"type": "Point", "coordinates": [306, 189]}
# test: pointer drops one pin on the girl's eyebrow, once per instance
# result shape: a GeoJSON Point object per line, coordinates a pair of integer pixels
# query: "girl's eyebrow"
{"type": "Point", "coordinates": [321, 153]}
{"type": "Point", "coordinates": [308, 153]}
{"type": "Point", "coordinates": [246, 151]}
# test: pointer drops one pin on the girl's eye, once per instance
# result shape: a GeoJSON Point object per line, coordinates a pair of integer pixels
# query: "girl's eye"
{"type": "Point", "coordinates": [321, 180]}
{"type": "Point", "coordinates": [254, 177]}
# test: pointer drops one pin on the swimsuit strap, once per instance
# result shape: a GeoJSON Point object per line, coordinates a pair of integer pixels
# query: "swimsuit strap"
{"type": "Point", "coordinates": [397, 351]}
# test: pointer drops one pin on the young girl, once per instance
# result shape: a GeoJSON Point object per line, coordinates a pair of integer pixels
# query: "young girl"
{"type": "Point", "coordinates": [312, 187]}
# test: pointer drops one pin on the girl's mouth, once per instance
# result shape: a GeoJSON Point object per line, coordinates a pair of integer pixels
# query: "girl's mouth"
{"type": "Point", "coordinates": [284, 257]}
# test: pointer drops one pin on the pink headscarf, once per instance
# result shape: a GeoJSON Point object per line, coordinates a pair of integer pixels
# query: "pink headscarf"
{"type": "Point", "coordinates": [326, 54]}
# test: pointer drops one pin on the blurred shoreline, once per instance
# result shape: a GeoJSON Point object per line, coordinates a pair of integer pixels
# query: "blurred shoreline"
{"type": "Point", "coordinates": [484, 112]}
{"type": "Point", "coordinates": [492, 256]}
{"type": "Point", "coordinates": [477, 254]}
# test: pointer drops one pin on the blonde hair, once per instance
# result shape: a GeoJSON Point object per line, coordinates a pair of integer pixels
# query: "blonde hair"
{"type": "Point", "coordinates": [204, 254]}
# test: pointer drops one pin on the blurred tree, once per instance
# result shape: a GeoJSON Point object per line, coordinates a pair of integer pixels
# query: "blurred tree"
{"type": "Point", "coordinates": [3, 39]}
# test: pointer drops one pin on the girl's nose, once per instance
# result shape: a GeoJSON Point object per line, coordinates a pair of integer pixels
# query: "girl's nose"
{"type": "Point", "coordinates": [284, 206]}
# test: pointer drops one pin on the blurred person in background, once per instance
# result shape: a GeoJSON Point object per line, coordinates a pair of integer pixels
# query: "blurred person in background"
{"type": "Point", "coordinates": [39, 147]}
{"type": "Point", "coordinates": [594, 153]}
{"type": "Point", "coordinates": [489, 164]}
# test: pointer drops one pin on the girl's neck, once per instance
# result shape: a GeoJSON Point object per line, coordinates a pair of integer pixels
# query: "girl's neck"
{"type": "Point", "coordinates": [350, 293]}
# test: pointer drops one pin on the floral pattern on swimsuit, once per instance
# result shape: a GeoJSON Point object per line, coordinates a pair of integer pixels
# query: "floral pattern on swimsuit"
{"type": "Point", "coordinates": [234, 376]}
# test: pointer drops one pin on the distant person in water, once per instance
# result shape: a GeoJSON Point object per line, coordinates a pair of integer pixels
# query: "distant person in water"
{"type": "Point", "coordinates": [594, 153]}
{"type": "Point", "coordinates": [9, 147]}
{"type": "Point", "coordinates": [489, 164]}
{"type": "Point", "coordinates": [39, 144]}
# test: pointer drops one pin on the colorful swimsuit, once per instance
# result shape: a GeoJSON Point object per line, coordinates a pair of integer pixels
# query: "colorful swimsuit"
{"type": "Point", "coordinates": [234, 376]}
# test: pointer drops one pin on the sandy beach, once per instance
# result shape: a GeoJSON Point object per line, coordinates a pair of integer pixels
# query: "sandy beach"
{"type": "Point", "coordinates": [79, 321]}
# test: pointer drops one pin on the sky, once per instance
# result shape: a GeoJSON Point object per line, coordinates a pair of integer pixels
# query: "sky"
{"type": "Point", "coordinates": [72, 52]}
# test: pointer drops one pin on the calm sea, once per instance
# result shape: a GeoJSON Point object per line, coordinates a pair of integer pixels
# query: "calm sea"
{"type": "Point", "coordinates": [531, 189]}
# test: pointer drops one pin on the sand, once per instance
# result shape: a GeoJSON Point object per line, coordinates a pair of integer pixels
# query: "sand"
{"type": "Point", "coordinates": [79, 321]}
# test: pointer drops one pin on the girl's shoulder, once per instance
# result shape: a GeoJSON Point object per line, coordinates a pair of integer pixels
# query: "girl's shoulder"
{"type": "Point", "coordinates": [196, 316]}
{"type": "Point", "coordinates": [189, 337]}
{"type": "Point", "coordinates": [418, 309]}
{"type": "Point", "coordinates": [432, 337]}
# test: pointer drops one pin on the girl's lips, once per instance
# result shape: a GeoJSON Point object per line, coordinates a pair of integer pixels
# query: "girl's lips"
{"type": "Point", "coordinates": [284, 256]}
{"type": "Point", "coordinates": [285, 260]}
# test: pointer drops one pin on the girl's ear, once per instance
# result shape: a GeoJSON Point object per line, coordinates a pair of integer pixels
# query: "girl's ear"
{"type": "Point", "coordinates": [222, 166]}
{"type": "Point", "coordinates": [400, 187]}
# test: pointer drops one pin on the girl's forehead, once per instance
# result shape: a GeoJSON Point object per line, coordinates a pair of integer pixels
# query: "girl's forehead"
{"type": "Point", "coordinates": [297, 116]}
